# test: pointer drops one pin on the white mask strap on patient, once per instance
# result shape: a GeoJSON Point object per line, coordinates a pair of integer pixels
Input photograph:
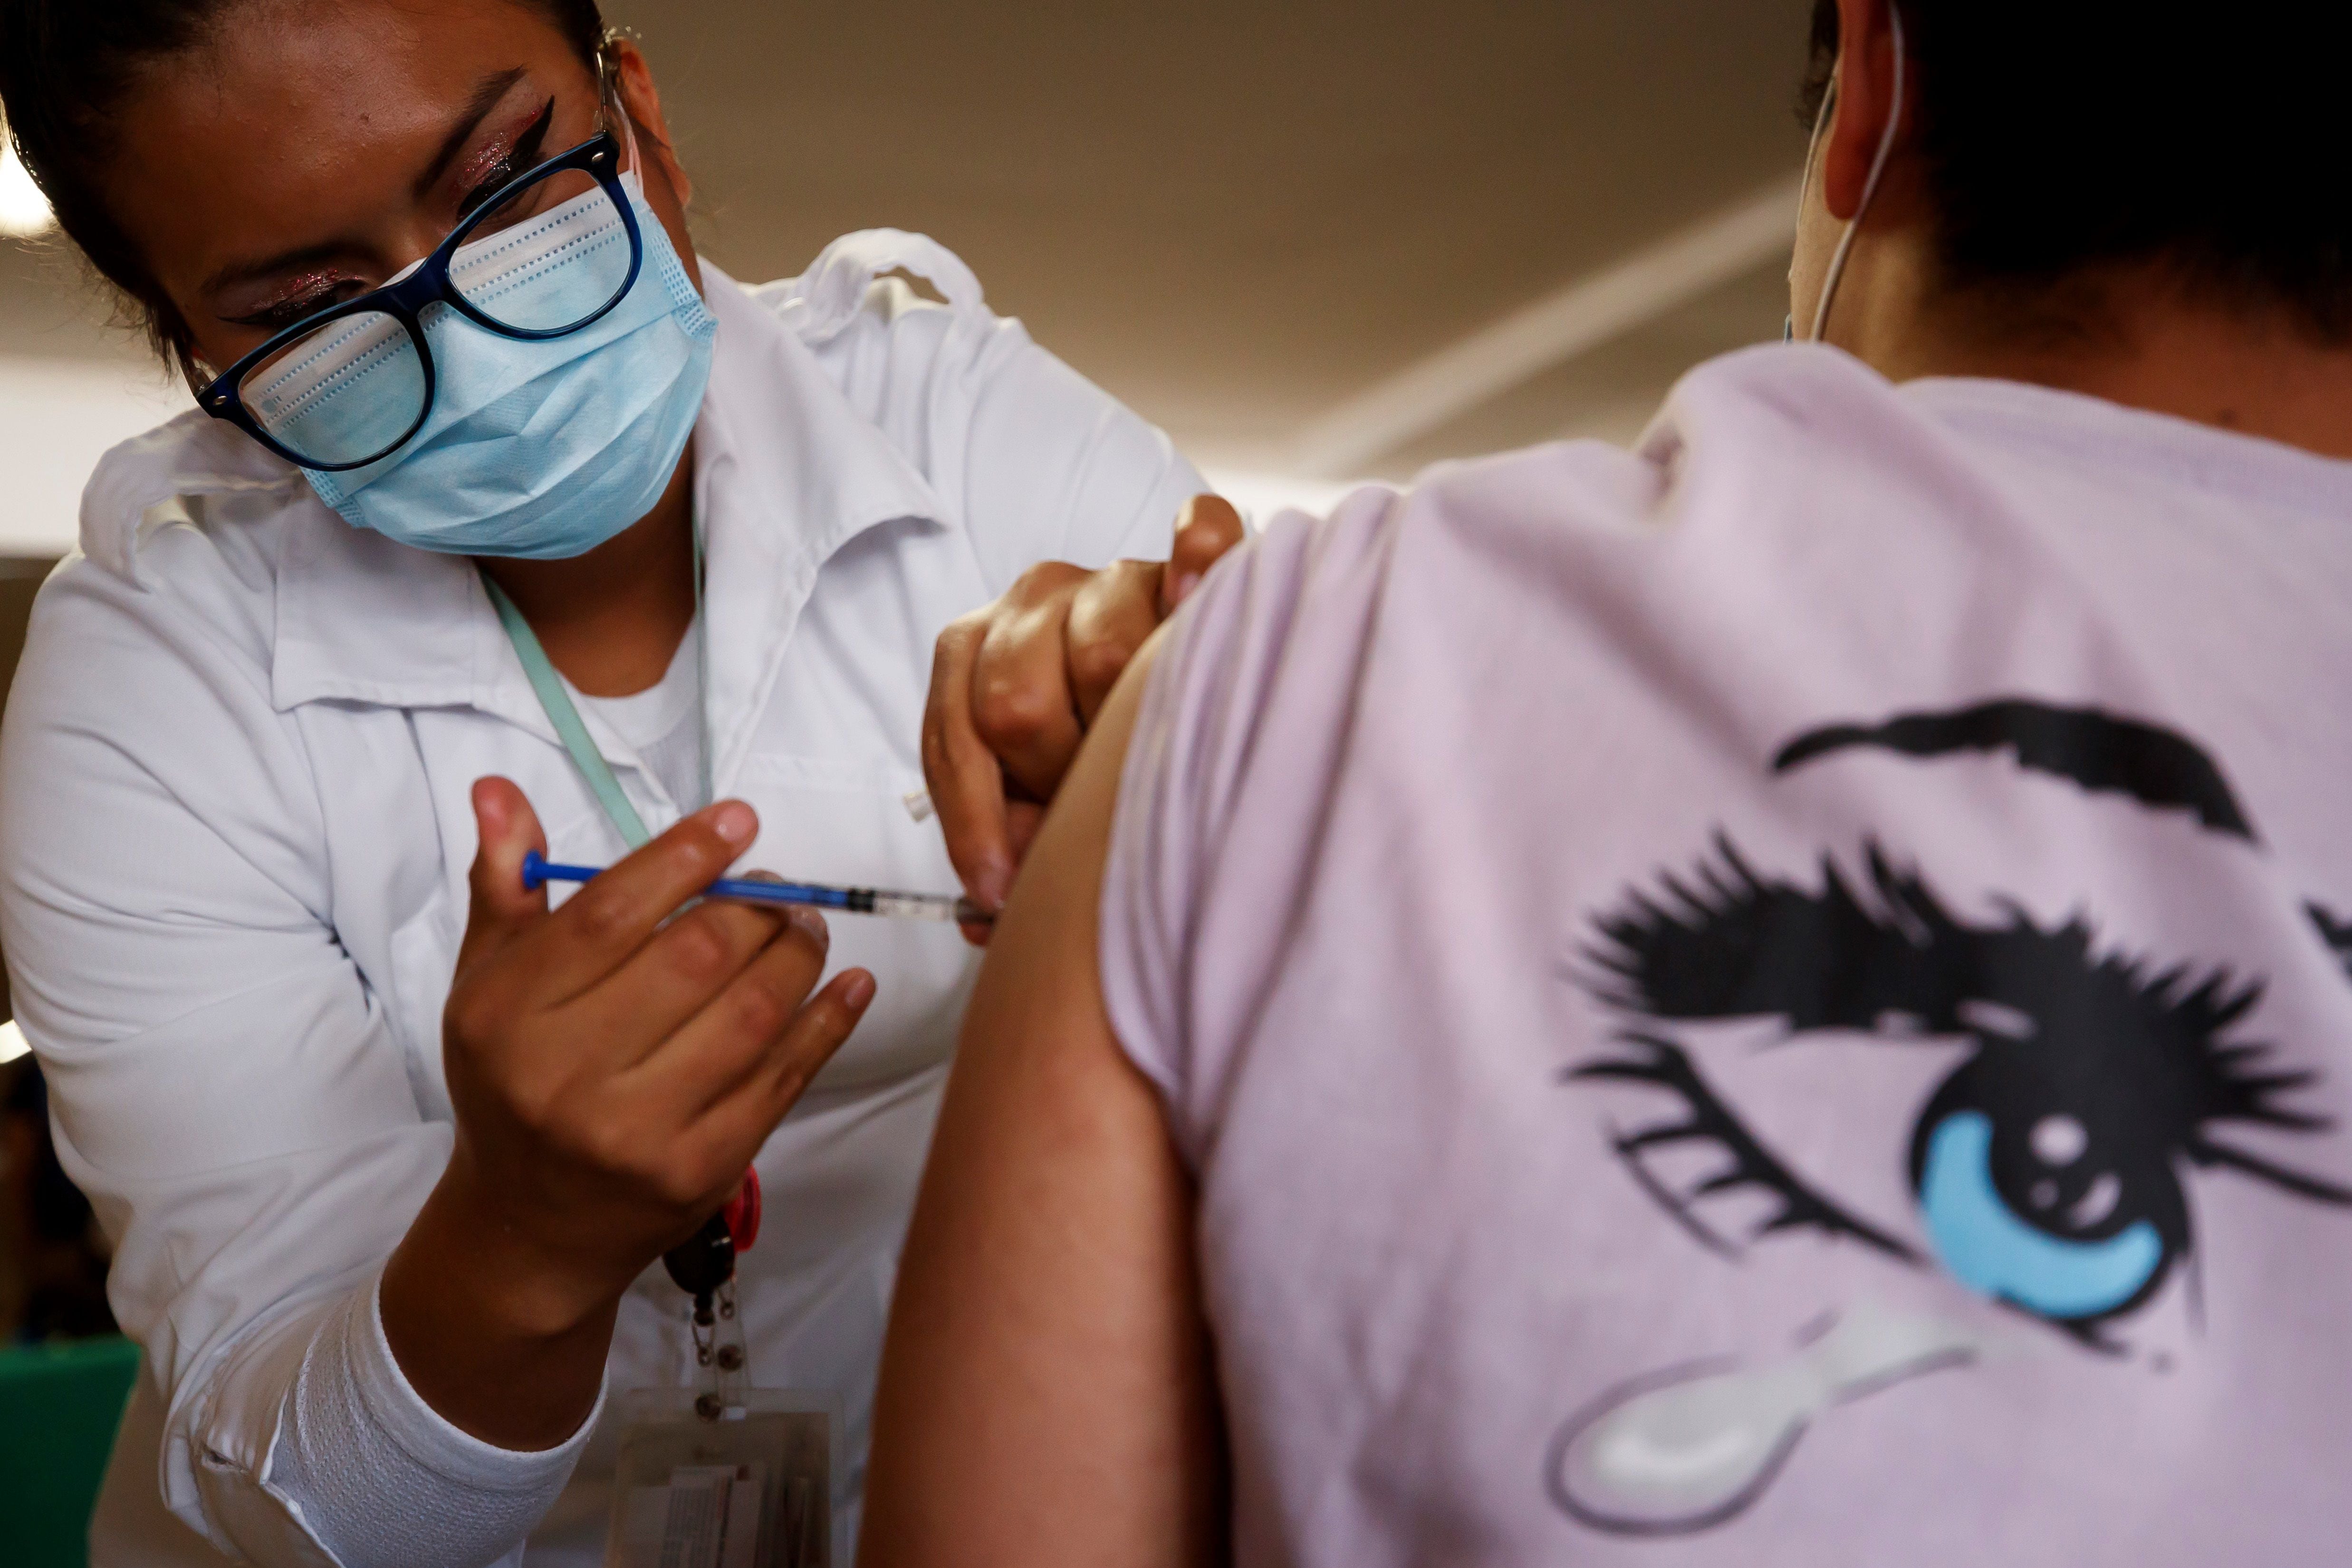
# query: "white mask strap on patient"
{"type": "Point", "coordinates": [1870, 186]}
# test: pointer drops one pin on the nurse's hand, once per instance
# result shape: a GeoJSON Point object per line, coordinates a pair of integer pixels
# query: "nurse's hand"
{"type": "Point", "coordinates": [1014, 685]}
{"type": "Point", "coordinates": [612, 1076]}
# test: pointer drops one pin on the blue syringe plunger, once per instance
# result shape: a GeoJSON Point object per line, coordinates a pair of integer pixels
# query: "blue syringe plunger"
{"type": "Point", "coordinates": [538, 870]}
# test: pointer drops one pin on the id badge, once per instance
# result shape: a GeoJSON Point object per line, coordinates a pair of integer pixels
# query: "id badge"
{"type": "Point", "coordinates": [723, 1475]}
{"type": "Point", "coordinates": [753, 1489]}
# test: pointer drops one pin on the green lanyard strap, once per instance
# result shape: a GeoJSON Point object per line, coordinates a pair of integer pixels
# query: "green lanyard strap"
{"type": "Point", "coordinates": [570, 728]}
{"type": "Point", "coordinates": [565, 716]}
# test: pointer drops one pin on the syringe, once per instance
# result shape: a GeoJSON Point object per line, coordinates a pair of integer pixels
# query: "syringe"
{"type": "Point", "coordinates": [538, 870]}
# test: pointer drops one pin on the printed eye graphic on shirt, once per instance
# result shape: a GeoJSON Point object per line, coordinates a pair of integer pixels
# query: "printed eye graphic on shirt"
{"type": "Point", "coordinates": [2051, 1168]}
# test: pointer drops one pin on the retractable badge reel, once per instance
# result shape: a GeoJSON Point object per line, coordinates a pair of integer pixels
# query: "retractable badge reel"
{"type": "Point", "coordinates": [721, 1474]}
{"type": "Point", "coordinates": [703, 1266]}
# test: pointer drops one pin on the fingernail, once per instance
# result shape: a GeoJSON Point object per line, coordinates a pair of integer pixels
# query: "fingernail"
{"type": "Point", "coordinates": [991, 884]}
{"type": "Point", "coordinates": [736, 822]}
{"type": "Point", "coordinates": [1183, 589]}
{"type": "Point", "coordinates": [811, 924]}
{"type": "Point", "coordinates": [859, 991]}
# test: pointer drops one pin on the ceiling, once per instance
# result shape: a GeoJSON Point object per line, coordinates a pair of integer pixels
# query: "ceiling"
{"type": "Point", "coordinates": [1307, 237]}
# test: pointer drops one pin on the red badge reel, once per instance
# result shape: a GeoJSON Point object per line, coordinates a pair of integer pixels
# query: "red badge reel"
{"type": "Point", "coordinates": [706, 1260]}
{"type": "Point", "coordinates": [742, 1213]}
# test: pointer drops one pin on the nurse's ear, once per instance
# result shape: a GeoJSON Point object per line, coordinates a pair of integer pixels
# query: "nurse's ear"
{"type": "Point", "coordinates": [634, 79]}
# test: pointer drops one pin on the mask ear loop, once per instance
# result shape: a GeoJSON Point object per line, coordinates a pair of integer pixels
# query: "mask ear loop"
{"type": "Point", "coordinates": [1869, 185]}
{"type": "Point", "coordinates": [1805, 189]}
{"type": "Point", "coordinates": [608, 88]}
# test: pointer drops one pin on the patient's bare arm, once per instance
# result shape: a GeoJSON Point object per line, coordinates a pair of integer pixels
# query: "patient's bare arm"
{"type": "Point", "coordinates": [1046, 1389]}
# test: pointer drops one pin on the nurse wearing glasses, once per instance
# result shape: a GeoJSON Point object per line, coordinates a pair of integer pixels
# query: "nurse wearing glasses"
{"type": "Point", "coordinates": [503, 524]}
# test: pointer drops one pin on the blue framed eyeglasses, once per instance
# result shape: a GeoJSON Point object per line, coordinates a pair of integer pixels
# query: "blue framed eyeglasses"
{"type": "Point", "coordinates": [546, 254]}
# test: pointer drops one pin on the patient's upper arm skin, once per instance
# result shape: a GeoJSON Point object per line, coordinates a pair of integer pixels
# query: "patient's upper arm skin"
{"type": "Point", "coordinates": [1045, 1393]}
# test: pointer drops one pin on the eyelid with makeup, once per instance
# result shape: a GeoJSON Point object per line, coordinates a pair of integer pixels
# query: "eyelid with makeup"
{"type": "Point", "coordinates": [494, 166]}
{"type": "Point", "coordinates": [312, 291]}
{"type": "Point", "coordinates": [503, 156]}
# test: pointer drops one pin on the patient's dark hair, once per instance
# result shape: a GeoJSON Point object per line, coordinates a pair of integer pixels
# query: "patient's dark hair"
{"type": "Point", "coordinates": [66, 66]}
{"type": "Point", "coordinates": [2062, 136]}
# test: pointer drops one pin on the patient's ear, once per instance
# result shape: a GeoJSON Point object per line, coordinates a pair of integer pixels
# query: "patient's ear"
{"type": "Point", "coordinates": [1865, 96]}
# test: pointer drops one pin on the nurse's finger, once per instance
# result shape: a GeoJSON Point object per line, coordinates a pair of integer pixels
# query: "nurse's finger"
{"type": "Point", "coordinates": [506, 830]}
{"type": "Point", "coordinates": [965, 779]}
{"type": "Point", "coordinates": [741, 1120]}
{"type": "Point", "coordinates": [1111, 615]}
{"type": "Point", "coordinates": [611, 917]}
{"type": "Point", "coordinates": [1206, 529]}
{"type": "Point", "coordinates": [1022, 818]}
{"type": "Point", "coordinates": [708, 1055]}
{"type": "Point", "coordinates": [1021, 698]}
{"type": "Point", "coordinates": [675, 976]}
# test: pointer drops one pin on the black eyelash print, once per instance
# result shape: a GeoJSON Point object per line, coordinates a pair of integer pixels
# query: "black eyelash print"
{"type": "Point", "coordinates": [2094, 1080]}
{"type": "Point", "coordinates": [1667, 1066]}
{"type": "Point", "coordinates": [1735, 946]}
{"type": "Point", "coordinates": [2335, 932]}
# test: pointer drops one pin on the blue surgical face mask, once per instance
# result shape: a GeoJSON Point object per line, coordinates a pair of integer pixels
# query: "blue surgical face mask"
{"type": "Point", "coordinates": [537, 448]}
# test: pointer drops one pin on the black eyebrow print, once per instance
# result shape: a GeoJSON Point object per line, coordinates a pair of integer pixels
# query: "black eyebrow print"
{"type": "Point", "coordinates": [2100, 751]}
{"type": "Point", "coordinates": [486, 97]}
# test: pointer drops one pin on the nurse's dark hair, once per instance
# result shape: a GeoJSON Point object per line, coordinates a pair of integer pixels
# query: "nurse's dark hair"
{"type": "Point", "coordinates": [66, 66]}
{"type": "Point", "coordinates": [2063, 137]}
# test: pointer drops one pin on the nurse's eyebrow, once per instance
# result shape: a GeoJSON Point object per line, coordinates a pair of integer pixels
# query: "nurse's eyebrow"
{"type": "Point", "coordinates": [486, 97]}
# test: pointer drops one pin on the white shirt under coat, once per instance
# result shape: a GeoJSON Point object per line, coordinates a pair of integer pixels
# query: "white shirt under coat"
{"type": "Point", "coordinates": [237, 766]}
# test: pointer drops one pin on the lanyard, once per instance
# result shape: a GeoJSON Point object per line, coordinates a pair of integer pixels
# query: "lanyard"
{"type": "Point", "coordinates": [704, 1266]}
{"type": "Point", "coordinates": [573, 730]}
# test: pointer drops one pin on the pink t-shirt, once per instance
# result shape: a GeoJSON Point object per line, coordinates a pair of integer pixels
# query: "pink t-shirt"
{"type": "Point", "coordinates": [1778, 997]}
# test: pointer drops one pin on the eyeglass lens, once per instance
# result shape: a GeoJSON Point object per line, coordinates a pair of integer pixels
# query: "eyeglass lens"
{"type": "Point", "coordinates": [552, 254]}
{"type": "Point", "coordinates": [342, 393]}
{"type": "Point", "coordinates": [547, 256]}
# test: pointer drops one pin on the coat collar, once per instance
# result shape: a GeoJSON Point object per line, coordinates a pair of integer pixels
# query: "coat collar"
{"type": "Point", "coordinates": [786, 472]}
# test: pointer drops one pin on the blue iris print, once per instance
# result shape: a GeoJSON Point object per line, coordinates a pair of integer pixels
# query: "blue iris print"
{"type": "Point", "coordinates": [1988, 1247]}
{"type": "Point", "coordinates": [2050, 1167]}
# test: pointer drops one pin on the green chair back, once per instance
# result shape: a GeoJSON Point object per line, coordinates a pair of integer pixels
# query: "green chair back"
{"type": "Point", "coordinates": [59, 1404]}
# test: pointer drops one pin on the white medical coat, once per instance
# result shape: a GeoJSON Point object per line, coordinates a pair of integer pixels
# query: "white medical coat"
{"type": "Point", "coordinates": [236, 833]}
